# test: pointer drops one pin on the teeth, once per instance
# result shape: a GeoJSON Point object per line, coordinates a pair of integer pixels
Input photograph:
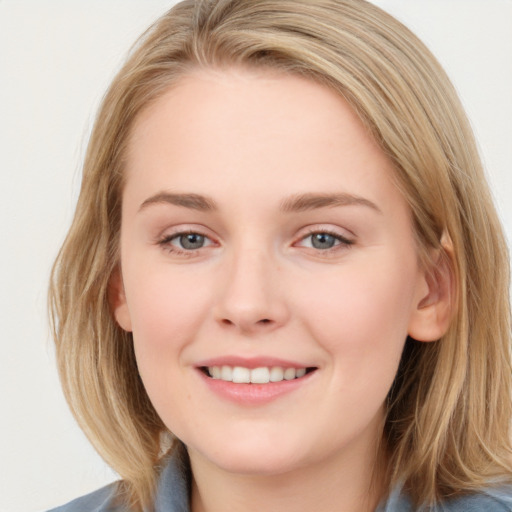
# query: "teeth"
{"type": "Point", "coordinates": [276, 374]}
{"type": "Point", "coordinates": [226, 373]}
{"type": "Point", "coordinates": [241, 375]}
{"type": "Point", "coordinates": [300, 373]}
{"type": "Point", "coordinates": [289, 374]}
{"type": "Point", "coordinates": [262, 375]}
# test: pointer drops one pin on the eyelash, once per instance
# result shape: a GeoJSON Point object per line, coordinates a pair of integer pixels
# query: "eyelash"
{"type": "Point", "coordinates": [342, 242]}
{"type": "Point", "coordinates": [166, 242]}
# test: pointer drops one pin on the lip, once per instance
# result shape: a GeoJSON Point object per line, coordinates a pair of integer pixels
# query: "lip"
{"type": "Point", "coordinates": [251, 362]}
{"type": "Point", "coordinates": [252, 394]}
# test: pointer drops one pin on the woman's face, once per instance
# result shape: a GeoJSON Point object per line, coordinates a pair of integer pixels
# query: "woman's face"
{"type": "Point", "coordinates": [263, 239]}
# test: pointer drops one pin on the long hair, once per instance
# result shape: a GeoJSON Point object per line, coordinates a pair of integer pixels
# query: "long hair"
{"type": "Point", "coordinates": [447, 427]}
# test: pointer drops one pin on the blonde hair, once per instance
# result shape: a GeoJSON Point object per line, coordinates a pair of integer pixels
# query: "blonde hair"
{"type": "Point", "coordinates": [448, 420]}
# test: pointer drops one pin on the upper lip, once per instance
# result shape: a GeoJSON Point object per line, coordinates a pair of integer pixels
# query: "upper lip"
{"type": "Point", "coordinates": [251, 362]}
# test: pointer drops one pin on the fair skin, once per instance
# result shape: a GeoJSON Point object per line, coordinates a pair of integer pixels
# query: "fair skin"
{"type": "Point", "coordinates": [261, 228]}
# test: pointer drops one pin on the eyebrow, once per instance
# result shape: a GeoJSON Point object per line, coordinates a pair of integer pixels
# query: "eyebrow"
{"type": "Point", "coordinates": [191, 201]}
{"type": "Point", "coordinates": [310, 201]}
{"type": "Point", "coordinates": [295, 203]}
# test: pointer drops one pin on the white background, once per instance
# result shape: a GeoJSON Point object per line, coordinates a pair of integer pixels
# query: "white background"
{"type": "Point", "coordinates": [56, 60]}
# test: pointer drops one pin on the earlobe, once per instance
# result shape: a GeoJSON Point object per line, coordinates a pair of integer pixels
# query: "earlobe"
{"type": "Point", "coordinates": [117, 301]}
{"type": "Point", "coordinates": [436, 307]}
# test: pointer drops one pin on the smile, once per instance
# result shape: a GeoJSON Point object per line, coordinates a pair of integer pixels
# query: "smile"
{"type": "Point", "coordinates": [261, 375]}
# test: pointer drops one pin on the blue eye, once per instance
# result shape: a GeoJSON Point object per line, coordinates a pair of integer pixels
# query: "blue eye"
{"type": "Point", "coordinates": [189, 241]}
{"type": "Point", "coordinates": [323, 241]}
{"type": "Point", "coordinates": [184, 243]}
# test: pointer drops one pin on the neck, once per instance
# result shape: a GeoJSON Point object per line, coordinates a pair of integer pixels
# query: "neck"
{"type": "Point", "coordinates": [352, 482]}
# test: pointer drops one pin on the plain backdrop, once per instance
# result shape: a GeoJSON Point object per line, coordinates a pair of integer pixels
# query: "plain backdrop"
{"type": "Point", "coordinates": [56, 60]}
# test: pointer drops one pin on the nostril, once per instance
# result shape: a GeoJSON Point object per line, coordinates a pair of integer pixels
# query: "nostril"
{"type": "Point", "coordinates": [246, 324]}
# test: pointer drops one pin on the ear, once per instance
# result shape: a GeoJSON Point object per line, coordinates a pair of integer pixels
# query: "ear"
{"type": "Point", "coordinates": [436, 302]}
{"type": "Point", "coordinates": [117, 300]}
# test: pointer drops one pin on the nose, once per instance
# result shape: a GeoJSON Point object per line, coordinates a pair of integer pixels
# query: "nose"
{"type": "Point", "coordinates": [252, 295]}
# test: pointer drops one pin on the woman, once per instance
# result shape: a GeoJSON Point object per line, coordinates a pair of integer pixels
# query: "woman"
{"type": "Point", "coordinates": [294, 292]}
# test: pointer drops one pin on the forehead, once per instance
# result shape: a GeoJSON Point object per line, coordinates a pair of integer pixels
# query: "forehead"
{"type": "Point", "coordinates": [244, 99]}
{"type": "Point", "coordinates": [254, 128]}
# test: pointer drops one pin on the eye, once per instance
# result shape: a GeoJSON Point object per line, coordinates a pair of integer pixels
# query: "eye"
{"type": "Point", "coordinates": [324, 240]}
{"type": "Point", "coordinates": [185, 242]}
{"type": "Point", "coordinates": [189, 241]}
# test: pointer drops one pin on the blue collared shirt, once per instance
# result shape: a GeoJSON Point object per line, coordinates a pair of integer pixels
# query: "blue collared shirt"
{"type": "Point", "coordinates": [173, 496]}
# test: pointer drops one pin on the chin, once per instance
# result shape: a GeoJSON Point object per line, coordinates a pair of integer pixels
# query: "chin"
{"type": "Point", "coordinates": [251, 458]}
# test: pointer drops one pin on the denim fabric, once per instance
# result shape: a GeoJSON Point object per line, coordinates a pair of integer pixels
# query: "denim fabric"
{"type": "Point", "coordinates": [173, 496]}
{"type": "Point", "coordinates": [488, 500]}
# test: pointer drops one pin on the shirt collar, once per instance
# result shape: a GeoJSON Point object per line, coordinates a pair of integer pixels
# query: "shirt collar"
{"type": "Point", "coordinates": [173, 492]}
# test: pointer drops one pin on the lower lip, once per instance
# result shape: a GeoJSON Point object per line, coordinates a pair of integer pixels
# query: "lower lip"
{"type": "Point", "coordinates": [253, 394]}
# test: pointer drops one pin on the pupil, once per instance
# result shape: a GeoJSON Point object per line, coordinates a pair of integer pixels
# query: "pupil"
{"type": "Point", "coordinates": [192, 241]}
{"type": "Point", "coordinates": [323, 241]}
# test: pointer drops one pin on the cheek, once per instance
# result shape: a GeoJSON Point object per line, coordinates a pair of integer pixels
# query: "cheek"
{"type": "Point", "coordinates": [361, 319]}
{"type": "Point", "coordinates": [166, 313]}
{"type": "Point", "coordinates": [163, 306]}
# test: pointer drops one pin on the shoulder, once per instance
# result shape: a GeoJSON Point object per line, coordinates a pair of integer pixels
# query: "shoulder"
{"type": "Point", "coordinates": [171, 495]}
{"type": "Point", "coordinates": [488, 500]}
{"type": "Point", "coordinates": [101, 500]}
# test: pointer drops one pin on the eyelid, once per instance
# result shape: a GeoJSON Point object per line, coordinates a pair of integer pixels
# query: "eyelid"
{"type": "Point", "coordinates": [167, 235]}
{"type": "Point", "coordinates": [177, 236]}
{"type": "Point", "coordinates": [343, 241]}
{"type": "Point", "coordinates": [338, 232]}
{"type": "Point", "coordinates": [183, 229]}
